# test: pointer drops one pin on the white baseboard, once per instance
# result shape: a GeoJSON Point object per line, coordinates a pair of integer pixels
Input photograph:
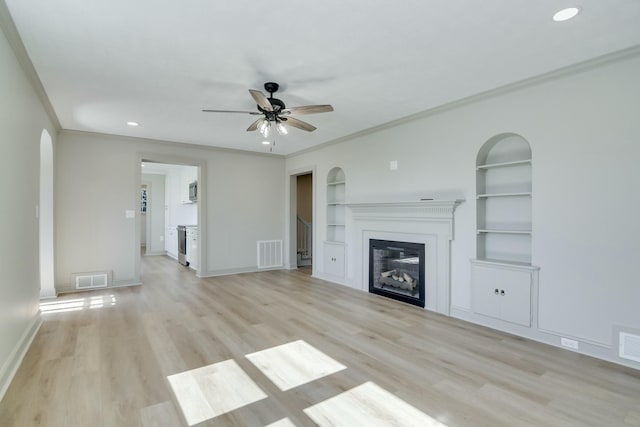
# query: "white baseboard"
{"type": "Point", "coordinates": [115, 284]}
{"type": "Point", "coordinates": [240, 270]}
{"type": "Point", "coordinates": [155, 253]}
{"type": "Point", "coordinates": [333, 279]}
{"type": "Point", "coordinates": [11, 365]}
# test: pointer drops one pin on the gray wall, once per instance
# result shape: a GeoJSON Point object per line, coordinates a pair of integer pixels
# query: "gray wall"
{"type": "Point", "coordinates": [98, 179]}
{"type": "Point", "coordinates": [22, 120]}
{"type": "Point", "coordinates": [584, 132]}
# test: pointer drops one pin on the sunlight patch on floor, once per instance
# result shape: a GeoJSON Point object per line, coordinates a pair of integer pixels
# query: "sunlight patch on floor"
{"type": "Point", "coordinates": [207, 392]}
{"type": "Point", "coordinates": [368, 405]}
{"type": "Point", "coordinates": [77, 304]}
{"type": "Point", "coordinates": [293, 364]}
{"type": "Point", "coordinates": [285, 422]}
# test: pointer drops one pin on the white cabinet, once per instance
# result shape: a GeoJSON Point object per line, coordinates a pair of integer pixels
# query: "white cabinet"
{"type": "Point", "coordinates": [334, 261]}
{"type": "Point", "coordinates": [193, 255]}
{"type": "Point", "coordinates": [503, 291]}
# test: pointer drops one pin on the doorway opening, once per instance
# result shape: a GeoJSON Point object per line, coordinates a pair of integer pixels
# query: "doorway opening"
{"type": "Point", "coordinates": [304, 220]}
{"type": "Point", "coordinates": [301, 216]}
{"type": "Point", "coordinates": [171, 198]}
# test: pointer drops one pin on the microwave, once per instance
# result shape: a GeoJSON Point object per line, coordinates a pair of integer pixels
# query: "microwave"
{"type": "Point", "coordinates": [193, 191]}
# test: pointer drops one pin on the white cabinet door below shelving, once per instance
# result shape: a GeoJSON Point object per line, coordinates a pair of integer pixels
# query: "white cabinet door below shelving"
{"type": "Point", "coordinates": [334, 259]}
{"type": "Point", "coordinates": [502, 292]}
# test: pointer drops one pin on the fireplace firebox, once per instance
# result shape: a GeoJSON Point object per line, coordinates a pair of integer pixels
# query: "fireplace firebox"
{"type": "Point", "coordinates": [396, 270]}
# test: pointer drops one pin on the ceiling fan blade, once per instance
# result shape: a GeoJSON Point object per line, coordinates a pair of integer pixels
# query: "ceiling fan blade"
{"type": "Point", "coordinates": [254, 125]}
{"type": "Point", "coordinates": [230, 111]}
{"type": "Point", "coordinates": [261, 100]}
{"type": "Point", "coordinates": [300, 124]}
{"type": "Point", "coordinates": [308, 109]}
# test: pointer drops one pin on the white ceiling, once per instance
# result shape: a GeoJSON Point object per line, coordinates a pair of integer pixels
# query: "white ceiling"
{"type": "Point", "coordinates": [159, 62]}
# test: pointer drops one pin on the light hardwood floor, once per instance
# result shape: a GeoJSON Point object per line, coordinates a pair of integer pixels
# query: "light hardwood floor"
{"type": "Point", "coordinates": [105, 358]}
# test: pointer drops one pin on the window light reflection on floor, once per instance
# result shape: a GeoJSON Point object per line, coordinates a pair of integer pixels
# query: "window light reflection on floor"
{"type": "Point", "coordinates": [368, 405]}
{"type": "Point", "coordinates": [77, 304]}
{"type": "Point", "coordinates": [207, 392]}
{"type": "Point", "coordinates": [285, 422]}
{"type": "Point", "coordinates": [293, 364]}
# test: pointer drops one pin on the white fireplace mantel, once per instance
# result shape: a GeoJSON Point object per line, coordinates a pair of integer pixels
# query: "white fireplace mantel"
{"type": "Point", "coordinates": [430, 222]}
{"type": "Point", "coordinates": [424, 210]}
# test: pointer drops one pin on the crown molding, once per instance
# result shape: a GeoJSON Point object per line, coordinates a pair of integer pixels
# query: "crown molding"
{"type": "Point", "coordinates": [511, 87]}
{"type": "Point", "coordinates": [15, 41]}
{"type": "Point", "coordinates": [174, 144]}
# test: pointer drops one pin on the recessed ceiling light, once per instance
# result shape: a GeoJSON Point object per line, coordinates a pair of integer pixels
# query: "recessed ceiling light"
{"type": "Point", "coordinates": [266, 142]}
{"type": "Point", "coordinates": [133, 123]}
{"type": "Point", "coordinates": [566, 14]}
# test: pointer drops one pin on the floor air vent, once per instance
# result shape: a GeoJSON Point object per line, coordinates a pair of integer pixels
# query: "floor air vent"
{"type": "Point", "coordinates": [269, 253]}
{"type": "Point", "coordinates": [630, 346]}
{"type": "Point", "coordinates": [91, 280]}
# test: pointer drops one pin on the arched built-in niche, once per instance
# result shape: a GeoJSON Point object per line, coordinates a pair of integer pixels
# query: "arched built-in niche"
{"type": "Point", "coordinates": [336, 187]}
{"type": "Point", "coordinates": [334, 251]}
{"type": "Point", "coordinates": [45, 213]}
{"type": "Point", "coordinates": [503, 199]}
{"type": "Point", "coordinates": [504, 283]}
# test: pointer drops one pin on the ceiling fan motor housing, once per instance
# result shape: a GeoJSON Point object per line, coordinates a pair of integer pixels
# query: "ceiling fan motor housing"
{"type": "Point", "coordinates": [276, 103]}
{"type": "Point", "coordinates": [271, 87]}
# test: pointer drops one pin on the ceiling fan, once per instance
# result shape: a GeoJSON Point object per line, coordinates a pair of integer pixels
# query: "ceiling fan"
{"type": "Point", "coordinates": [275, 113]}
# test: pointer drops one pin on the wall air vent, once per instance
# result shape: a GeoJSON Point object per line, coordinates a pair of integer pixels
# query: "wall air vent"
{"type": "Point", "coordinates": [629, 346]}
{"type": "Point", "coordinates": [91, 280]}
{"type": "Point", "coordinates": [269, 253]}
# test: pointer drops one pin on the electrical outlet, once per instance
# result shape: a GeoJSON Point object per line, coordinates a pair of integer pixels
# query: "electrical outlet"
{"type": "Point", "coordinates": [162, 238]}
{"type": "Point", "coordinates": [572, 344]}
{"type": "Point", "coordinates": [393, 165]}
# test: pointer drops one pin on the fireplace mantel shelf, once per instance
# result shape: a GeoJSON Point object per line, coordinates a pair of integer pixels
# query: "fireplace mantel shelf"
{"type": "Point", "coordinates": [410, 204]}
{"type": "Point", "coordinates": [433, 209]}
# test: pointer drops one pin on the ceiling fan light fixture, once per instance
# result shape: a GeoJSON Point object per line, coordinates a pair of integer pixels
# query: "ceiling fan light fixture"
{"type": "Point", "coordinates": [264, 127]}
{"type": "Point", "coordinates": [282, 129]}
{"type": "Point", "coordinates": [266, 130]}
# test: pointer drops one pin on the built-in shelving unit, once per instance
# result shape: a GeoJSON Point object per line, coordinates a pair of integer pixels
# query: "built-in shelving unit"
{"type": "Point", "coordinates": [335, 205]}
{"type": "Point", "coordinates": [334, 250]}
{"type": "Point", "coordinates": [503, 200]}
{"type": "Point", "coordinates": [502, 276]}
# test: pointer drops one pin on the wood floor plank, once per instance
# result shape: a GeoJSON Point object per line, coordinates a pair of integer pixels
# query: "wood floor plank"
{"type": "Point", "coordinates": [162, 414]}
{"type": "Point", "coordinates": [107, 361]}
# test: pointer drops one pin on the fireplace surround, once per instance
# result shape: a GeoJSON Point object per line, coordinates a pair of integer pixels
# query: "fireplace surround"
{"type": "Point", "coordinates": [426, 222]}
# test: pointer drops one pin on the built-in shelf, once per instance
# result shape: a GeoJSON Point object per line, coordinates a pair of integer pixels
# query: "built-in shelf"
{"type": "Point", "coordinates": [336, 209]}
{"type": "Point", "coordinates": [504, 199]}
{"type": "Point", "coordinates": [504, 164]}
{"type": "Point", "coordinates": [500, 262]}
{"type": "Point", "coordinates": [502, 231]}
{"type": "Point", "coordinates": [334, 247]}
{"type": "Point", "coordinates": [484, 196]}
